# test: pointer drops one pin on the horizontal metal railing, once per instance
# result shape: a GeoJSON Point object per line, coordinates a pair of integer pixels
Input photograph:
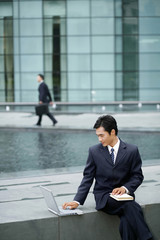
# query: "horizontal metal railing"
{"type": "Point", "coordinates": [139, 103]}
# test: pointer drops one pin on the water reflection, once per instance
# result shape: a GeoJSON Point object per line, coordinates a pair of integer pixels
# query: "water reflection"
{"type": "Point", "coordinates": [35, 150]}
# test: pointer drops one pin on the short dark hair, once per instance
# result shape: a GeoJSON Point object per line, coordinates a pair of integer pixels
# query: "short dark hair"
{"type": "Point", "coordinates": [41, 76]}
{"type": "Point", "coordinates": [107, 122]}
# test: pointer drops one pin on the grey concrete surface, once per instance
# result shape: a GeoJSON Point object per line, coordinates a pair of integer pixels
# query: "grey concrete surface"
{"type": "Point", "coordinates": [23, 210]}
{"type": "Point", "coordinates": [138, 121]}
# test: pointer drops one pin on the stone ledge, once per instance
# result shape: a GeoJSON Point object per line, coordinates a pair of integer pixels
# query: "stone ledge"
{"type": "Point", "coordinates": [90, 226]}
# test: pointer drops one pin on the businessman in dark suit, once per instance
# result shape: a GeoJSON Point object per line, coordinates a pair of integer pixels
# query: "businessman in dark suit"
{"type": "Point", "coordinates": [116, 168]}
{"type": "Point", "coordinates": [44, 98]}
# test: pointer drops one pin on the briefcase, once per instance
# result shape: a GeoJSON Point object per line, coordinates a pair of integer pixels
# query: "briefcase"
{"type": "Point", "coordinates": [41, 109]}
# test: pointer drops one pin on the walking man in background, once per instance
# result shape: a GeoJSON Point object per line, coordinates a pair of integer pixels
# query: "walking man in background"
{"type": "Point", "coordinates": [44, 98]}
{"type": "Point", "coordinates": [116, 168]}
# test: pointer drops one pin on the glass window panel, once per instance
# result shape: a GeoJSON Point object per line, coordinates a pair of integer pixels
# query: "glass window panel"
{"type": "Point", "coordinates": [31, 45]}
{"type": "Point", "coordinates": [48, 79]}
{"type": "Point", "coordinates": [118, 27]}
{"type": "Point", "coordinates": [149, 43]}
{"type": "Point", "coordinates": [130, 25]}
{"type": "Point", "coordinates": [78, 80]}
{"type": "Point", "coordinates": [149, 62]}
{"type": "Point", "coordinates": [54, 8]}
{"type": "Point", "coordinates": [1, 63]}
{"type": "Point", "coordinates": [119, 80]}
{"type": "Point", "coordinates": [118, 43]}
{"type": "Point", "coordinates": [102, 26]}
{"type": "Point", "coordinates": [102, 8]}
{"type": "Point", "coordinates": [130, 62]}
{"type": "Point", "coordinates": [16, 27]}
{"type": "Point", "coordinates": [31, 9]}
{"type": "Point", "coordinates": [29, 96]}
{"type": "Point", "coordinates": [16, 81]}
{"type": "Point", "coordinates": [64, 82]}
{"type": "Point", "coordinates": [31, 63]}
{"type": "Point", "coordinates": [149, 94]}
{"type": "Point", "coordinates": [16, 63]}
{"type": "Point", "coordinates": [149, 79]}
{"type": "Point", "coordinates": [103, 80]}
{"type": "Point", "coordinates": [15, 9]}
{"type": "Point", "coordinates": [130, 80]}
{"type": "Point", "coordinates": [16, 45]}
{"type": "Point", "coordinates": [48, 62]}
{"type": "Point", "coordinates": [149, 25]}
{"type": "Point", "coordinates": [102, 95]}
{"type": "Point", "coordinates": [149, 8]}
{"type": "Point", "coordinates": [2, 96]}
{"type": "Point", "coordinates": [48, 26]}
{"type": "Point", "coordinates": [63, 60]}
{"type": "Point", "coordinates": [78, 8]}
{"type": "Point", "coordinates": [31, 27]}
{"type": "Point", "coordinates": [29, 81]}
{"type": "Point", "coordinates": [103, 62]}
{"type": "Point", "coordinates": [78, 26]}
{"type": "Point", "coordinates": [130, 43]}
{"type": "Point", "coordinates": [5, 9]}
{"type": "Point", "coordinates": [103, 44]}
{"type": "Point", "coordinates": [118, 61]}
{"type": "Point", "coordinates": [64, 96]}
{"type": "Point", "coordinates": [118, 8]}
{"type": "Point", "coordinates": [130, 8]}
{"type": "Point", "coordinates": [79, 96]}
{"type": "Point", "coordinates": [78, 44]}
{"type": "Point", "coordinates": [78, 62]}
{"type": "Point", "coordinates": [2, 82]}
{"type": "Point", "coordinates": [1, 45]}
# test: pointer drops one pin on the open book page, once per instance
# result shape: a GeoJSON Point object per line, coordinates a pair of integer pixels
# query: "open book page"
{"type": "Point", "coordinates": [123, 197]}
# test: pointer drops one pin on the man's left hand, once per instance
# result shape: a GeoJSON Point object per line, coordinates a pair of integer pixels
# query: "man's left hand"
{"type": "Point", "coordinates": [119, 191]}
{"type": "Point", "coordinates": [51, 103]}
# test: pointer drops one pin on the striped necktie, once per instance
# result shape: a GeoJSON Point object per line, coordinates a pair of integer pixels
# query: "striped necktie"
{"type": "Point", "coordinates": [112, 155]}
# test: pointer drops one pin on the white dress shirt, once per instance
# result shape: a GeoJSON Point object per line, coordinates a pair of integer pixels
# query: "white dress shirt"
{"type": "Point", "coordinates": [116, 148]}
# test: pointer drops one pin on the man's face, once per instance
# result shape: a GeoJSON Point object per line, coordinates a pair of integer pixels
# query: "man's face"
{"type": "Point", "coordinates": [104, 137]}
{"type": "Point", "coordinates": [39, 79]}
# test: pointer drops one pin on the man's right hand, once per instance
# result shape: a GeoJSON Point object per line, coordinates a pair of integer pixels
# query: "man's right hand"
{"type": "Point", "coordinates": [71, 205]}
{"type": "Point", "coordinates": [40, 102]}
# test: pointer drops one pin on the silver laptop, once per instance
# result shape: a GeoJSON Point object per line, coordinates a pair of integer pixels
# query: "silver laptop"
{"type": "Point", "coordinates": [52, 205]}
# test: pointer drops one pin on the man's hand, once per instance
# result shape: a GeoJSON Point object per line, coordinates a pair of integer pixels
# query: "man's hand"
{"type": "Point", "coordinates": [119, 191]}
{"type": "Point", "coordinates": [71, 205]}
{"type": "Point", "coordinates": [51, 103]}
{"type": "Point", "coordinates": [40, 102]}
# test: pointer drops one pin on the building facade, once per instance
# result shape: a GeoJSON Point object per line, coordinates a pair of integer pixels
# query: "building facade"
{"type": "Point", "coordinates": [88, 50]}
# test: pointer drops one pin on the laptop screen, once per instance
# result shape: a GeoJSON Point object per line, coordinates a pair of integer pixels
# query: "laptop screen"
{"type": "Point", "coordinates": [48, 195]}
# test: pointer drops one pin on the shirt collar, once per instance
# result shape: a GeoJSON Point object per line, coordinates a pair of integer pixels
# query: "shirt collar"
{"type": "Point", "coordinates": [40, 82]}
{"type": "Point", "coordinates": [115, 147]}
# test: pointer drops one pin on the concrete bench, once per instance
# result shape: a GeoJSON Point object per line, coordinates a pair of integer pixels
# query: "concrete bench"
{"type": "Point", "coordinates": [24, 214]}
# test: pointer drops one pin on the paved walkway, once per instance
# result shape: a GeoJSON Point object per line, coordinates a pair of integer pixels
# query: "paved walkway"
{"type": "Point", "coordinates": [128, 121]}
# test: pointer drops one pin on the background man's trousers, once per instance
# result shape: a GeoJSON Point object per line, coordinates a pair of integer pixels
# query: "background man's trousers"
{"type": "Point", "coordinates": [132, 223]}
{"type": "Point", "coordinates": [49, 115]}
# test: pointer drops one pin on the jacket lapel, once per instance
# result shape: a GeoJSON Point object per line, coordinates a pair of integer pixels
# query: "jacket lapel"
{"type": "Point", "coordinates": [121, 152]}
{"type": "Point", "coordinates": [106, 155]}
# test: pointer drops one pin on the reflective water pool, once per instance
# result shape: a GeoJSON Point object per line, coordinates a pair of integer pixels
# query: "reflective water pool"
{"type": "Point", "coordinates": [26, 150]}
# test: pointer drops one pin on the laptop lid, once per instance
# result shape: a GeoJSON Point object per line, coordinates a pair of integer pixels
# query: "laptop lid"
{"type": "Point", "coordinates": [50, 200]}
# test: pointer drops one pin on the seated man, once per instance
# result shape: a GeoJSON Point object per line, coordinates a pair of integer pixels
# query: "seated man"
{"type": "Point", "coordinates": [116, 168]}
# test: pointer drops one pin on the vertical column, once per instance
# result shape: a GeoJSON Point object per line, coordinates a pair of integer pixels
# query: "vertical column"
{"type": "Point", "coordinates": [28, 46]}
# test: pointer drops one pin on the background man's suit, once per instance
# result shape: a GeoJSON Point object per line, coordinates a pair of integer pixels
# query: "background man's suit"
{"type": "Point", "coordinates": [45, 97]}
{"type": "Point", "coordinates": [126, 172]}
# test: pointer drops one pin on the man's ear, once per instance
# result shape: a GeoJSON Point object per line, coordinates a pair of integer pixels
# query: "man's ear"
{"type": "Point", "coordinates": [113, 132]}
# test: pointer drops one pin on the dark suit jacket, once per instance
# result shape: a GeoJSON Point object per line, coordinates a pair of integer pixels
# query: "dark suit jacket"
{"type": "Point", "coordinates": [44, 94]}
{"type": "Point", "coordinates": [126, 172]}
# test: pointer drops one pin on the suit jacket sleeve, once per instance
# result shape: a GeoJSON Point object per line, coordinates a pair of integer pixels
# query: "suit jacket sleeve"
{"type": "Point", "coordinates": [48, 93]}
{"type": "Point", "coordinates": [88, 177]}
{"type": "Point", "coordinates": [136, 175]}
